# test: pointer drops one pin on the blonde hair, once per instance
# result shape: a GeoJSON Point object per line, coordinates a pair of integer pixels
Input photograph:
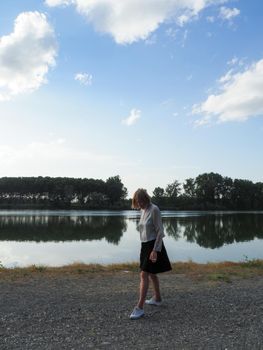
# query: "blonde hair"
{"type": "Point", "coordinates": [142, 195]}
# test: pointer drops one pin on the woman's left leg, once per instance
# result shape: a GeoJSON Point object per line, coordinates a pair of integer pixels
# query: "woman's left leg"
{"type": "Point", "coordinates": [156, 287]}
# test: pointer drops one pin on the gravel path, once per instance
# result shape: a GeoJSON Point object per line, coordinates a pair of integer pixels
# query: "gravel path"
{"type": "Point", "coordinates": [92, 312]}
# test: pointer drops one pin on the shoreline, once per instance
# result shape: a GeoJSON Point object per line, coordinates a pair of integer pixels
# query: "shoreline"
{"type": "Point", "coordinates": [221, 271]}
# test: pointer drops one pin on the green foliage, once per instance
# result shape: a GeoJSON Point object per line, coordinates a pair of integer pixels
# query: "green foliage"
{"type": "Point", "coordinates": [208, 186]}
{"type": "Point", "coordinates": [158, 192]}
{"type": "Point", "coordinates": [173, 190]}
{"type": "Point", "coordinates": [40, 268]}
{"type": "Point", "coordinates": [251, 263]}
{"type": "Point", "coordinates": [115, 189]}
{"type": "Point", "coordinates": [208, 191]}
{"type": "Point", "coordinates": [212, 191]}
{"type": "Point", "coordinates": [189, 188]}
{"type": "Point", "coordinates": [222, 277]}
{"type": "Point", "coordinates": [60, 192]}
{"type": "Point", "coordinates": [159, 196]}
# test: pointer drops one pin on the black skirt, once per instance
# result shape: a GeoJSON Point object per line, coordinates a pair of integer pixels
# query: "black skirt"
{"type": "Point", "coordinates": [161, 265]}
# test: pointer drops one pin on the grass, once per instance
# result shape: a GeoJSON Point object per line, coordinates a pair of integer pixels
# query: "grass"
{"type": "Point", "coordinates": [73, 269]}
{"type": "Point", "coordinates": [223, 271]}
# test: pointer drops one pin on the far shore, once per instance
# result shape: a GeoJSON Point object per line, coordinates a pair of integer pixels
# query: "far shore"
{"type": "Point", "coordinates": [222, 271]}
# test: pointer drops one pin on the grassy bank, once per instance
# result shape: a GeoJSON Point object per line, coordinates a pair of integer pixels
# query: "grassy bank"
{"type": "Point", "coordinates": [223, 271]}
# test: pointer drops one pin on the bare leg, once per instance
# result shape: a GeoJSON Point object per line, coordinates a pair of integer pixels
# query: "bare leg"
{"type": "Point", "coordinates": [144, 285]}
{"type": "Point", "coordinates": [156, 287]}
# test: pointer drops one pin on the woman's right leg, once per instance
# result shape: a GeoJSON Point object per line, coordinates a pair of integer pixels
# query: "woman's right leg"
{"type": "Point", "coordinates": [144, 284]}
{"type": "Point", "coordinates": [156, 287]}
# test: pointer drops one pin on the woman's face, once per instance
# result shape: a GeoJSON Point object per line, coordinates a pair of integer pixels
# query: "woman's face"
{"type": "Point", "coordinates": [142, 203]}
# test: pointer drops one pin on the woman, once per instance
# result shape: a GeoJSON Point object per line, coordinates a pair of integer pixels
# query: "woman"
{"type": "Point", "coordinates": [153, 257]}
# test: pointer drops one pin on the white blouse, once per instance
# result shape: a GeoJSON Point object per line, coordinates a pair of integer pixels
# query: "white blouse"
{"type": "Point", "coordinates": [150, 226]}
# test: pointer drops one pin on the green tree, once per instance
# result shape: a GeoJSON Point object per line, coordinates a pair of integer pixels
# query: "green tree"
{"type": "Point", "coordinates": [96, 200]}
{"type": "Point", "coordinates": [158, 192]}
{"type": "Point", "coordinates": [243, 194]}
{"type": "Point", "coordinates": [226, 192]}
{"type": "Point", "coordinates": [208, 189]}
{"type": "Point", "coordinates": [115, 189]}
{"type": "Point", "coordinates": [173, 190]}
{"type": "Point", "coordinates": [258, 198]}
{"type": "Point", "coordinates": [159, 197]}
{"type": "Point", "coordinates": [189, 188]}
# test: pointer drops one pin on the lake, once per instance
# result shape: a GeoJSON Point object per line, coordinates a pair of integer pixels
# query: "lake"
{"type": "Point", "coordinates": [57, 238]}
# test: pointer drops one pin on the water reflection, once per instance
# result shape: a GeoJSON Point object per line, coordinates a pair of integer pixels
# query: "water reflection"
{"type": "Point", "coordinates": [208, 231]}
{"type": "Point", "coordinates": [61, 228]}
{"type": "Point", "coordinates": [59, 238]}
{"type": "Point", "coordinates": [213, 231]}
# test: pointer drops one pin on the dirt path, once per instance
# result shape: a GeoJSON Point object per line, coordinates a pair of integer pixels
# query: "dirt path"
{"type": "Point", "coordinates": [92, 311]}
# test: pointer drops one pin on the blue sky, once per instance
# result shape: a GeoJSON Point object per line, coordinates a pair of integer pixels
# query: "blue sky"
{"type": "Point", "coordinates": [151, 90]}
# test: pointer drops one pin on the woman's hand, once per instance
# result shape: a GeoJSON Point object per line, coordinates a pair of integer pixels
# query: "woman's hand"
{"type": "Point", "coordinates": [153, 256]}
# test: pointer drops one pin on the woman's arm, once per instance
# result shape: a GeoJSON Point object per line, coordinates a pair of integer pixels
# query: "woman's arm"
{"type": "Point", "coordinates": [158, 225]}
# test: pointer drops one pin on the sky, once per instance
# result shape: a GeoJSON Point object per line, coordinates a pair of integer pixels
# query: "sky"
{"type": "Point", "coordinates": [150, 90]}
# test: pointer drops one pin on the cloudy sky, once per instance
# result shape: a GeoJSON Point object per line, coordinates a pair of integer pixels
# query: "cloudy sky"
{"type": "Point", "coordinates": [151, 90]}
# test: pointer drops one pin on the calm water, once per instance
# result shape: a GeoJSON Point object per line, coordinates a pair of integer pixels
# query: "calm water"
{"type": "Point", "coordinates": [57, 238]}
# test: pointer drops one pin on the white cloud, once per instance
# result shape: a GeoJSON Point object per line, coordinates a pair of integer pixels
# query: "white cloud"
{"type": "Point", "coordinates": [183, 19]}
{"type": "Point", "coordinates": [135, 114]}
{"type": "Point", "coordinates": [241, 97]}
{"type": "Point", "coordinates": [227, 13]}
{"type": "Point", "coordinates": [49, 158]}
{"type": "Point", "coordinates": [236, 62]}
{"type": "Point", "coordinates": [84, 78]}
{"type": "Point", "coordinates": [227, 77]}
{"type": "Point", "coordinates": [128, 21]}
{"type": "Point", "coordinates": [53, 3]}
{"type": "Point", "coordinates": [171, 32]}
{"type": "Point", "coordinates": [185, 35]}
{"type": "Point", "coordinates": [26, 55]}
{"type": "Point", "coordinates": [233, 61]}
{"type": "Point", "coordinates": [210, 19]}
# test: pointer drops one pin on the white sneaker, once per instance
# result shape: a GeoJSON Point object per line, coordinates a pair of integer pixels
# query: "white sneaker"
{"type": "Point", "coordinates": [137, 313]}
{"type": "Point", "coordinates": [152, 301]}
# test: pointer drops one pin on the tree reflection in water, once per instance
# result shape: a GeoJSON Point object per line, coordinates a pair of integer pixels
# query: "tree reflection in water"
{"type": "Point", "coordinates": [62, 228]}
{"type": "Point", "coordinates": [209, 230]}
{"type": "Point", "coordinates": [215, 230]}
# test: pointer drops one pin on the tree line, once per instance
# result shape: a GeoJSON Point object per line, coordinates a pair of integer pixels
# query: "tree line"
{"type": "Point", "coordinates": [62, 192]}
{"type": "Point", "coordinates": [208, 191]}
